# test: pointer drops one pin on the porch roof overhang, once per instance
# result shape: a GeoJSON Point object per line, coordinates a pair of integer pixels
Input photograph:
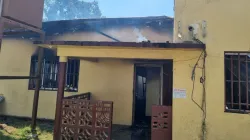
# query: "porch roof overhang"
{"type": "Point", "coordinates": [121, 50]}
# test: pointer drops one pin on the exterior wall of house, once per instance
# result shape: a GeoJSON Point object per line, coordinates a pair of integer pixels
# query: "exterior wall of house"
{"type": "Point", "coordinates": [110, 80]}
{"type": "Point", "coordinates": [107, 79]}
{"type": "Point", "coordinates": [182, 72]}
{"type": "Point", "coordinates": [227, 30]}
{"type": "Point", "coordinates": [15, 60]}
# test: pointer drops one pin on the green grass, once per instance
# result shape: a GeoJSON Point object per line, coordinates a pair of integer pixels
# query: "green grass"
{"type": "Point", "coordinates": [44, 129]}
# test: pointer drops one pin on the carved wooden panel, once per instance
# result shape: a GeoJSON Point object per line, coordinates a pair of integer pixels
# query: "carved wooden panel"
{"type": "Point", "coordinates": [86, 120]}
{"type": "Point", "coordinates": [161, 124]}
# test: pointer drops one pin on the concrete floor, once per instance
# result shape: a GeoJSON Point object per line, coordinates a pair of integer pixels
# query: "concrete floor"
{"type": "Point", "coordinates": [129, 133]}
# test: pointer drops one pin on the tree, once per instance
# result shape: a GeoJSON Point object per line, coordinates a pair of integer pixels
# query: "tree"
{"type": "Point", "coordinates": [70, 9]}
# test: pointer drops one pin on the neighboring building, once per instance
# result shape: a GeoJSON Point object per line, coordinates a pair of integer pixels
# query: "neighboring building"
{"type": "Point", "coordinates": [107, 79]}
{"type": "Point", "coordinates": [223, 25]}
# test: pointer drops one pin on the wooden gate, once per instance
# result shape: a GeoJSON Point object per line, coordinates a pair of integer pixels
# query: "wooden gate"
{"type": "Point", "coordinates": [86, 120]}
{"type": "Point", "coordinates": [161, 126]}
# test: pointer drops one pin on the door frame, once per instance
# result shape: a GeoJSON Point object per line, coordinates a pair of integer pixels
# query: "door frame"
{"type": "Point", "coordinates": [166, 81]}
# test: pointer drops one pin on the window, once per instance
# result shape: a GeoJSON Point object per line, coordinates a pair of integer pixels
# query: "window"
{"type": "Point", "coordinates": [237, 82]}
{"type": "Point", "coordinates": [50, 65]}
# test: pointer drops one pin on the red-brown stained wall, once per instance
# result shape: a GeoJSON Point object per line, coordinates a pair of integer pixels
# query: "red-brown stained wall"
{"type": "Point", "coordinates": [27, 11]}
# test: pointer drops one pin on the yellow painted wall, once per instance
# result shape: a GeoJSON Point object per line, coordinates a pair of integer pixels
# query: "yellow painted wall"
{"type": "Point", "coordinates": [227, 30]}
{"type": "Point", "coordinates": [107, 79]}
{"type": "Point", "coordinates": [110, 80]}
{"type": "Point", "coordinates": [184, 60]}
{"type": "Point", "coordinates": [15, 61]}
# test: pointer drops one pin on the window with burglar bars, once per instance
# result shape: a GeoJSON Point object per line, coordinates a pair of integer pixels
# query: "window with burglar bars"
{"type": "Point", "coordinates": [237, 84]}
{"type": "Point", "coordinates": [49, 74]}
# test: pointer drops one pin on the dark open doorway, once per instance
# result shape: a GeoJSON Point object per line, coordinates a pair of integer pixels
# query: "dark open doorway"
{"type": "Point", "coordinates": [147, 92]}
{"type": "Point", "coordinates": [153, 85]}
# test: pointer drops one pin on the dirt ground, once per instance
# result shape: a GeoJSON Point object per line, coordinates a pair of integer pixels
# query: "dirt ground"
{"type": "Point", "coordinates": [19, 129]}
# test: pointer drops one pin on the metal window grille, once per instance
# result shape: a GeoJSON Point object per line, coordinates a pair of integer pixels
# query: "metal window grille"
{"type": "Point", "coordinates": [237, 82]}
{"type": "Point", "coordinates": [49, 74]}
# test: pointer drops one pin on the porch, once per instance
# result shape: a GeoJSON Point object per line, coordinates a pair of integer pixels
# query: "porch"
{"type": "Point", "coordinates": [128, 53]}
{"type": "Point", "coordinates": [114, 131]}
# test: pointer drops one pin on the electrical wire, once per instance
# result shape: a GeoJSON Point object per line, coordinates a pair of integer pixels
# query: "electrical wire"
{"type": "Point", "coordinates": [193, 71]}
{"type": "Point", "coordinates": [204, 102]}
{"type": "Point", "coordinates": [203, 81]}
{"type": "Point", "coordinates": [186, 59]}
{"type": "Point", "coordinates": [204, 106]}
{"type": "Point", "coordinates": [192, 95]}
{"type": "Point", "coordinates": [193, 79]}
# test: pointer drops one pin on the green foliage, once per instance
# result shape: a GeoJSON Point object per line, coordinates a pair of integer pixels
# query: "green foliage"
{"type": "Point", "coordinates": [23, 130]}
{"type": "Point", "coordinates": [70, 9]}
{"type": "Point", "coordinates": [23, 133]}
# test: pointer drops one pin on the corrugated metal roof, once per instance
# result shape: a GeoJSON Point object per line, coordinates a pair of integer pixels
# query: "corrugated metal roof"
{"type": "Point", "coordinates": [53, 28]}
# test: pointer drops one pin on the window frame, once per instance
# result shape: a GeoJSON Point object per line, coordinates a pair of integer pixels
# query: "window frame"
{"type": "Point", "coordinates": [238, 111]}
{"type": "Point", "coordinates": [66, 74]}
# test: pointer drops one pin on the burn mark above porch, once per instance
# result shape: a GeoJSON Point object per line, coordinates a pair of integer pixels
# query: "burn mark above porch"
{"type": "Point", "coordinates": [123, 44]}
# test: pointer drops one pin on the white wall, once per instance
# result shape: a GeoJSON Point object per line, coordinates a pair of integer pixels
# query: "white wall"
{"type": "Point", "coordinates": [153, 86]}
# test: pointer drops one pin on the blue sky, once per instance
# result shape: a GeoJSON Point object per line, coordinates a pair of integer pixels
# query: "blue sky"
{"type": "Point", "coordinates": [136, 8]}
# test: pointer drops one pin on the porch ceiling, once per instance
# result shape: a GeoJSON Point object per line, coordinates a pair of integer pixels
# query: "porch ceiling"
{"type": "Point", "coordinates": [120, 50]}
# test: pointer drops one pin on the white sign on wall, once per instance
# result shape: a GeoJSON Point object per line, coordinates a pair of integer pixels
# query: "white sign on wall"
{"type": "Point", "coordinates": [179, 93]}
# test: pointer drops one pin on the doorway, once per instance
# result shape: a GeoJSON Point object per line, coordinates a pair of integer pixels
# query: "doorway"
{"type": "Point", "coordinates": [147, 92]}
{"type": "Point", "coordinates": [153, 85]}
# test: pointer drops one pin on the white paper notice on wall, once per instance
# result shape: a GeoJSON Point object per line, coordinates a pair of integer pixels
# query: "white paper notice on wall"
{"type": "Point", "coordinates": [179, 93]}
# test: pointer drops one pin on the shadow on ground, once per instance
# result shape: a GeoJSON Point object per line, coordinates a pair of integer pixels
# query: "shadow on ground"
{"type": "Point", "coordinates": [118, 132]}
{"type": "Point", "coordinates": [130, 133]}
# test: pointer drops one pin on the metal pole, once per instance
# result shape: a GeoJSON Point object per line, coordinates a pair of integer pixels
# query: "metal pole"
{"type": "Point", "coordinates": [60, 96]}
{"type": "Point", "coordinates": [37, 89]}
{"type": "Point", "coordinates": [1, 32]}
{"type": "Point", "coordinates": [17, 77]}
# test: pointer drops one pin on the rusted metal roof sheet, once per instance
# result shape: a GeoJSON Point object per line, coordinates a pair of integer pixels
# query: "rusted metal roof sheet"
{"type": "Point", "coordinates": [53, 28]}
{"type": "Point", "coordinates": [124, 44]}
